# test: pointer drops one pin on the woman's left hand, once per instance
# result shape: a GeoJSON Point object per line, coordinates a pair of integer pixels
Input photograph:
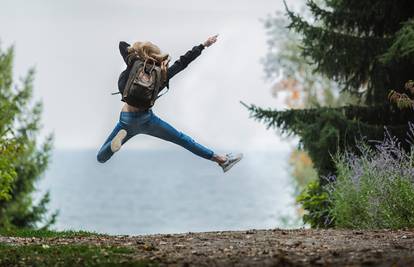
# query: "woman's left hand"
{"type": "Point", "coordinates": [211, 40]}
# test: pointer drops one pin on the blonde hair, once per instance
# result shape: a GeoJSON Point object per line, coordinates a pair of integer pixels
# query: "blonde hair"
{"type": "Point", "coordinates": [150, 52]}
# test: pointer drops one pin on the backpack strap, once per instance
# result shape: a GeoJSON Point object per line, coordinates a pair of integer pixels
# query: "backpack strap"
{"type": "Point", "coordinates": [159, 77]}
{"type": "Point", "coordinates": [157, 84]}
{"type": "Point", "coordinates": [131, 77]}
{"type": "Point", "coordinates": [160, 82]}
{"type": "Point", "coordinates": [158, 96]}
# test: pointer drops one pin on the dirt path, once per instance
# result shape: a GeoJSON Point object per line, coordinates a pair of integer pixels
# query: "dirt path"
{"type": "Point", "coordinates": [260, 247]}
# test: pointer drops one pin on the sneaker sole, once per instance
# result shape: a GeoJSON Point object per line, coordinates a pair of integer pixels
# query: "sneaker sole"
{"type": "Point", "coordinates": [117, 141]}
{"type": "Point", "coordinates": [233, 163]}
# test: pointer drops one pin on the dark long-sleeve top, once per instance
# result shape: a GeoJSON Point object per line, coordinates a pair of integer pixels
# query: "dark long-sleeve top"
{"type": "Point", "coordinates": [175, 68]}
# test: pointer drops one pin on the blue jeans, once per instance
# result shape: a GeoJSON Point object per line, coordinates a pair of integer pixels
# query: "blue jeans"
{"type": "Point", "coordinates": [146, 122]}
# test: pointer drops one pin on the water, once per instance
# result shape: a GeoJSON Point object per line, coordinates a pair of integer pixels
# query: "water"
{"type": "Point", "coordinates": [147, 192]}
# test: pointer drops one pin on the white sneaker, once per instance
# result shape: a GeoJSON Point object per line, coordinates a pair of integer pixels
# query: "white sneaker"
{"type": "Point", "coordinates": [116, 143]}
{"type": "Point", "coordinates": [232, 159]}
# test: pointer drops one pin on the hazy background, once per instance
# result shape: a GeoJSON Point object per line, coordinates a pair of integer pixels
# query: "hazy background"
{"type": "Point", "coordinates": [74, 47]}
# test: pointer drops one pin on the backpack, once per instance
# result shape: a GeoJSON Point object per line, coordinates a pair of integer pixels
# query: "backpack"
{"type": "Point", "coordinates": [143, 85]}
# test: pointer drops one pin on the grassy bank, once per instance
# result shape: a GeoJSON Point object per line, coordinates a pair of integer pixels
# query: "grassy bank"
{"type": "Point", "coordinates": [68, 255]}
{"type": "Point", "coordinates": [46, 233]}
{"type": "Point", "coordinates": [64, 254]}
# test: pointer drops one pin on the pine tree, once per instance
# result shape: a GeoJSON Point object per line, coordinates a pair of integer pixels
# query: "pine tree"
{"type": "Point", "coordinates": [367, 47]}
{"type": "Point", "coordinates": [22, 159]}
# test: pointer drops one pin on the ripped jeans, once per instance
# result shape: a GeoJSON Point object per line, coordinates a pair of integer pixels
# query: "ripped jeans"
{"type": "Point", "coordinates": [146, 122]}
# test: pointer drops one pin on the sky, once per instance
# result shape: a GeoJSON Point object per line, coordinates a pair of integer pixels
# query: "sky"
{"type": "Point", "coordinates": [73, 45]}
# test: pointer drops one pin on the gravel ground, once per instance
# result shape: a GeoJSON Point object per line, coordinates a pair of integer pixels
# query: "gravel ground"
{"type": "Point", "coordinates": [277, 247]}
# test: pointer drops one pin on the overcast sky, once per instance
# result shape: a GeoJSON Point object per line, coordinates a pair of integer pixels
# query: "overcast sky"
{"type": "Point", "coordinates": [74, 46]}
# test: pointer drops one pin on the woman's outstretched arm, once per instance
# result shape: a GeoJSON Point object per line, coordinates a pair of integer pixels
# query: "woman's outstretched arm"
{"type": "Point", "coordinates": [184, 60]}
{"type": "Point", "coordinates": [188, 57]}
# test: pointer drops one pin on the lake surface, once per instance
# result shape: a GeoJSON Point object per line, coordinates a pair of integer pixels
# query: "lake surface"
{"type": "Point", "coordinates": [147, 192]}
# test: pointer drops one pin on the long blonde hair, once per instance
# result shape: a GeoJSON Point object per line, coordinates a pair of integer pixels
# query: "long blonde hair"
{"type": "Point", "coordinates": [152, 53]}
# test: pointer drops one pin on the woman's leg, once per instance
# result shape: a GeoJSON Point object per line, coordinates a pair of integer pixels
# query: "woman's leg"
{"type": "Point", "coordinates": [165, 131]}
{"type": "Point", "coordinates": [106, 152]}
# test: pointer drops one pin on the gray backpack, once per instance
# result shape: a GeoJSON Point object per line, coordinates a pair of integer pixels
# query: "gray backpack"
{"type": "Point", "coordinates": [143, 85]}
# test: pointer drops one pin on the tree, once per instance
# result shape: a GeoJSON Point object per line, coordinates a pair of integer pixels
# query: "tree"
{"type": "Point", "coordinates": [302, 86]}
{"type": "Point", "coordinates": [366, 47]}
{"type": "Point", "coordinates": [22, 160]}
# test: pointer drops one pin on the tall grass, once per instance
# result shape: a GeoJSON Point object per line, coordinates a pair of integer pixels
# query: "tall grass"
{"type": "Point", "coordinates": [375, 189]}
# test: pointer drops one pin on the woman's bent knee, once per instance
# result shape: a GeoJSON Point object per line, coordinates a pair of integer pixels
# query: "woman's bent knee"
{"type": "Point", "coordinates": [101, 159]}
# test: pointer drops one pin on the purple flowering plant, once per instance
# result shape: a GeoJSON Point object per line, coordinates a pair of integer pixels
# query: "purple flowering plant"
{"type": "Point", "coordinates": [374, 189]}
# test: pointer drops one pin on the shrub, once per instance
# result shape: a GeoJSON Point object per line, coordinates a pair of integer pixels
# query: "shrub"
{"type": "Point", "coordinates": [315, 201]}
{"type": "Point", "coordinates": [374, 188]}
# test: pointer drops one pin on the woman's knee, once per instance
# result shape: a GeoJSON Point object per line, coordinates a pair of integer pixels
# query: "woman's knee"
{"type": "Point", "coordinates": [100, 157]}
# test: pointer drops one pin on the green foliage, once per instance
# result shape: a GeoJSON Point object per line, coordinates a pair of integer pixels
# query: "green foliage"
{"type": "Point", "coordinates": [7, 170]}
{"type": "Point", "coordinates": [23, 160]}
{"type": "Point", "coordinates": [403, 45]}
{"type": "Point", "coordinates": [325, 131]}
{"type": "Point", "coordinates": [315, 200]}
{"type": "Point", "coordinates": [374, 190]}
{"type": "Point", "coordinates": [7, 146]}
{"type": "Point", "coordinates": [46, 233]}
{"type": "Point", "coordinates": [68, 255]}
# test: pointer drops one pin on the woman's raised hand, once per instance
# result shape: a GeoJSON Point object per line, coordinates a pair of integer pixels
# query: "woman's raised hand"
{"type": "Point", "coordinates": [211, 40]}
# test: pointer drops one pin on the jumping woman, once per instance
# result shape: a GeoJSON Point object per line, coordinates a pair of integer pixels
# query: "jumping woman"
{"type": "Point", "coordinates": [146, 75]}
